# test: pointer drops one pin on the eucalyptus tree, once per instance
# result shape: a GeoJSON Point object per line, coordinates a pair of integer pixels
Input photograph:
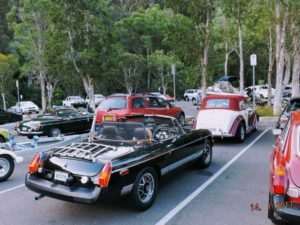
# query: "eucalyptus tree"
{"type": "Point", "coordinates": [200, 12]}
{"type": "Point", "coordinates": [87, 29]}
{"type": "Point", "coordinates": [8, 67]}
{"type": "Point", "coordinates": [31, 30]}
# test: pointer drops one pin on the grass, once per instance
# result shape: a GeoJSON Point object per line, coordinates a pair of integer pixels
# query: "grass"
{"type": "Point", "coordinates": [265, 111]}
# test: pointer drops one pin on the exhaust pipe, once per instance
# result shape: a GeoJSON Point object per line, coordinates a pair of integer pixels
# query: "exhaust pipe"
{"type": "Point", "coordinates": [39, 197]}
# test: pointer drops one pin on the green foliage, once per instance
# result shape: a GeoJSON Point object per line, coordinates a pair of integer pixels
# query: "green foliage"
{"type": "Point", "coordinates": [264, 111]}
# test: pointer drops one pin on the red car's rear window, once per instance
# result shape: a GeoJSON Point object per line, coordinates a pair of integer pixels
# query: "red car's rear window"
{"type": "Point", "coordinates": [113, 103]}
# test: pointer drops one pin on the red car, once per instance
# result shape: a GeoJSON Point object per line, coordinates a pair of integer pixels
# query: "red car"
{"type": "Point", "coordinates": [284, 193]}
{"type": "Point", "coordinates": [117, 106]}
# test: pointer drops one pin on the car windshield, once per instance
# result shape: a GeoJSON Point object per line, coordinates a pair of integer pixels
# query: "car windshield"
{"type": "Point", "coordinates": [66, 112]}
{"type": "Point", "coordinates": [26, 104]}
{"type": "Point", "coordinates": [113, 103]}
{"type": "Point", "coordinates": [264, 87]}
{"type": "Point", "coordinates": [120, 131]}
{"type": "Point", "coordinates": [99, 96]}
{"type": "Point", "coordinates": [295, 105]}
{"type": "Point", "coordinates": [217, 103]}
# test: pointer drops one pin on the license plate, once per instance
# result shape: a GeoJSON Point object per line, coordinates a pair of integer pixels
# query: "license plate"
{"type": "Point", "coordinates": [60, 176]}
{"type": "Point", "coordinates": [108, 118]}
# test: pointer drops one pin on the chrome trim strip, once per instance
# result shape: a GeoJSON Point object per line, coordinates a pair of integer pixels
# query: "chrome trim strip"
{"type": "Point", "coordinates": [173, 166]}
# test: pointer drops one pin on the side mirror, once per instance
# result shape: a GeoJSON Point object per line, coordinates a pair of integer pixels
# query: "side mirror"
{"type": "Point", "coordinates": [276, 132]}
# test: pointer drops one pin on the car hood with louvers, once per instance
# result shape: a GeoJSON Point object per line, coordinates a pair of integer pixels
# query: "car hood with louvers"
{"type": "Point", "coordinates": [84, 158]}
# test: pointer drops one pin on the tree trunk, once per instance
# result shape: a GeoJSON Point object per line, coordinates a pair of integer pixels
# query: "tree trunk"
{"type": "Point", "coordinates": [148, 70]}
{"type": "Point", "coordinates": [280, 64]}
{"type": "Point", "coordinates": [226, 58]}
{"type": "Point", "coordinates": [241, 55]}
{"type": "Point", "coordinates": [296, 66]}
{"type": "Point", "coordinates": [3, 100]}
{"type": "Point", "coordinates": [50, 90]}
{"type": "Point", "coordinates": [89, 89]}
{"type": "Point", "coordinates": [43, 91]}
{"type": "Point", "coordinates": [287, 74]}
{"type": "Point", "coordinates": [270, 70]}
{"type": "Point", "coordinates": [204, 58]}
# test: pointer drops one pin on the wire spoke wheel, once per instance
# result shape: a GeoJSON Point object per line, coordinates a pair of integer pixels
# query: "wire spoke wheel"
{"type": "Point", "coordinates": [4, 167]}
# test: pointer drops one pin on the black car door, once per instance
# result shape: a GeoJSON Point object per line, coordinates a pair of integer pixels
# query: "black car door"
{"type": "Point", "coordinates": [4, 117]}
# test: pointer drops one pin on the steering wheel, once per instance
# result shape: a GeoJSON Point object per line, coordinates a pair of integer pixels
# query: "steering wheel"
{"type": "Point", "coordinates": [161, 133]}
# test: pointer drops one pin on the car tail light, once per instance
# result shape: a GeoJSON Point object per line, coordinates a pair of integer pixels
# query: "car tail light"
{"type": "Point", "coordinates": [283, 120]}
{"type": "Point", "coordinates": [104, 175]}
{"type": "Point", "coordinates": [34, 165]}
{"type": "Point", "coordinates": [280, 180]}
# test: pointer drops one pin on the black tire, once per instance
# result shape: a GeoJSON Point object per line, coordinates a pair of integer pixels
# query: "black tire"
{"type": "Point", "coordinates": [186, 98]}
{"type": "Point", "coordinates": [7, 166]}
{"type": "Point", "coordinates": [205, 159]}
{"type": "Point", "coordinates": [55, 132]}
{"type": "Point", "coordinates": [181, 119]}
{"type": "Point", "coordinates": [255, 125]}
{"type": "Point", "coordinates": [194, 101]}
{"type": "Point", "coordinates": [240, 133]}
{"type": "Point", "coordinates": [140, 201]}
{"type": "Point", "coordinates": [30, 136]}
{"type": "Point", "coordinates": [2, 139]}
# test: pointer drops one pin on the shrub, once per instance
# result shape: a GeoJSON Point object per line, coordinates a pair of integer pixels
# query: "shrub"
{"type": "Point", "coordinates": [264, 110]}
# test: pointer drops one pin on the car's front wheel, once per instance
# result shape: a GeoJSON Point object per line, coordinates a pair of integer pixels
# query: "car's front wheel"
{"type": "Point", "coordinates": [6, 167]}
{"type": "Point", "coordinates": [55, 132]}
{"type": "Point", "coordinates": [186, 98]}
{"type": "Point", "coordinates": [240, 133]}
{"type": "Point", "coordinates": [194, 101]}
{"type": "Point", "coordinates": [181, 119]}
{"type": "Point", "coordinates": [206, 157]}
{"type": "Point", "coordinates": [145, 188]}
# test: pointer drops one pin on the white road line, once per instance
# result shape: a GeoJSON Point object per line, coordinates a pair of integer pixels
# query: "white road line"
{"type": "Point", "coordinates": [11, 189]}
{"type": "Point", "coordinates": [187, 200]}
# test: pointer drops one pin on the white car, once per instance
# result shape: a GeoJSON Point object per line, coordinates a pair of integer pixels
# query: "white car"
{"type": "Point", "coordinates": [74, 101]}
{"type": "Point", "coordinates": [226, 116]}
{"type": "Point", "coordinates": [25, 107]}
{"type": "Point", "coordinates": [98, 99]}
{"type": "Point", "coordinates": [7, 163]}
{"type": "Point", "coordinates": [260, 90]}
{"type": "Point", "coordinates": [191, 95]}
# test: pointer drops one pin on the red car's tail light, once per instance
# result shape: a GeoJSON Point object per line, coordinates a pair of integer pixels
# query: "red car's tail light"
{"type": "Point", "coordinates": [279, 180]}
{"type": "Point", "coordinates": [34, 165]}
{"type": "Point", "coordinates": [104, 175]}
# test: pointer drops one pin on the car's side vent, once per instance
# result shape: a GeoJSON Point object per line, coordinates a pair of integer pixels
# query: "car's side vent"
{"type": "Point", "coordinates": [83, 150]}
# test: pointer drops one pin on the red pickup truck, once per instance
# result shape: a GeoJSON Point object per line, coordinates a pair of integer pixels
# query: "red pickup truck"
{"type": "Point", "coordinates": [117, 106]}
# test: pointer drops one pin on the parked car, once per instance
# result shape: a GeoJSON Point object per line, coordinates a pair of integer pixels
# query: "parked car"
{"type": "Point", "coordinates": [292, 105]}
{"type": "Point", "coordinates": [25, 107]}
{"type": "Point", "coordinates": [9, 116]}
{"type": "Point", "coordinates": [284, 189]}
{"type": "Point", "coordinates": [115, 107]}
{"type": "Point", "coordinates": [98, 99]}
{"type": "Point", "coordinates": [227, 116]}
{"type": "Point", "coordinates": [120, 158]}
{"type": "Point", "coordinates": [261, 90]}
{"type": "Point", "coordinates": [287, 92]}
{"type": "Point", "coordinates": [63, 120]}
{"type": "Point", "coordinates": [191, 94]}
{"type": "Point", "coordinates": [74, 101]}
{"type": "Point", "coordinates": [3, 135]}
{"type": "Point", "coordinates": [7, 163]}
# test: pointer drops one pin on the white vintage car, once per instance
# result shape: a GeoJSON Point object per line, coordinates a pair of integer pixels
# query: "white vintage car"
{"type": "Point", "coordinates": [7, 163]}
{"type": "Point", "coordinates": [74, 101]}
{"type": "Point", "coordinates": [227, 116]}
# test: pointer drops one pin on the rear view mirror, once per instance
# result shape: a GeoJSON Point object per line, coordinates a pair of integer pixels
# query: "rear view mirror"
{"type": "Point", "coordinates": [276, 132]}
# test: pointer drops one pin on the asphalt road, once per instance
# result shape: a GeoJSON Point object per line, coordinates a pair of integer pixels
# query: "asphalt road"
{"type": "Point", "coordinates": [220, 194]}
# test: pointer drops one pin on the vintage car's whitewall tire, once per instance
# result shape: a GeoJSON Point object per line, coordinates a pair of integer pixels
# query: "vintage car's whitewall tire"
{"type": "Point", "coordinates": [205, 159]}
{"type": "Point", "coordinates": [186, 98]}
{"type": "Point", "coordinates": [255, 125]}
{"type": "Point", "coordinates": [55, 132]}
{"type": "Point", "coordinates": [145, 189]}
{"type": "Point", "coordinates": [7, 166]}
{"type": "Point", "coordinates": [240, 133]}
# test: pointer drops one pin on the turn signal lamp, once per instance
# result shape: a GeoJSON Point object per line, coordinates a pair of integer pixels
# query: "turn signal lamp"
{"type": "Point", "coordinates": [34, 165]}
{"type": "Point", "coordinates": [104, 175]}
{"type": "Point", "coordinates": [279, 180]}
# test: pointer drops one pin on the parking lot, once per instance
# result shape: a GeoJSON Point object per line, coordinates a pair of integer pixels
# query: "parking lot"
{"type": "Point", "coordinates": [225, 193]}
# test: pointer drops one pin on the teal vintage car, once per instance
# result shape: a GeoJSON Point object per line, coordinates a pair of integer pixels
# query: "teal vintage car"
{"type": "Point", "coordinates": [62, 121]}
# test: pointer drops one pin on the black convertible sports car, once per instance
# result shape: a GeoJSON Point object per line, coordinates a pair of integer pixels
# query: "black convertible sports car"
{"type": "Point", "coordinates": [9, 117]}
{"type": "Point", "coordinates": [119, 158]}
